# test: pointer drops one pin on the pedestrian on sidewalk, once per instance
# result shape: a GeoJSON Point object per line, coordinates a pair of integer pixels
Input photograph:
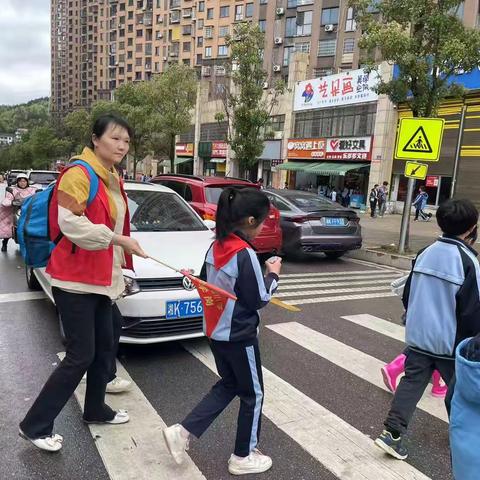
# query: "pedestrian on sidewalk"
{"type": "Point", "coordinates": [465, 414]}
{"type": "Point", "coordinates": [382, 199]}
{"type": "Point", "coordinates": [17, 193]}
{"type": "Point", "coordinates": [442, 303]}
{"type": "Point", "coordinates": [373, 198]}
{"type": "Point", "coordinates": [420, 203]}
{"type": "Point", "coordinates": [231, 264]}
{"type": "Point", "coordinates": [86, 270]}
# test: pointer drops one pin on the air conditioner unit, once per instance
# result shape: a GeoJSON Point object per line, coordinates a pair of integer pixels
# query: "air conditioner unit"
{"type": "Point", "coordinates": [278, 135]}
{"type": "Point", "coordinates": [160, 20]}
{"type": "Point", "coordinates": [140, 21]}
{"type": "Point", "coordinates": [265, 85]}
{"type": "Point", "coordinates": [277, 68]}
{"type": "Point", "coordinates": [173, 54]}
{"type": "Point", "coordinates": [278, 40]}
{"type": "Point", "coordinates": [329, 27]}
{"type": "Point", "coordinates": [165, 59]}
{"type": "Point", "coordinates": [280, 11]}
{"type": "Point", "coordinates": [159, 35]}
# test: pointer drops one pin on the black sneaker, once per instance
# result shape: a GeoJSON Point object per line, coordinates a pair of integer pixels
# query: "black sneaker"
{"type": "Point", "coordinates": [392, 446]}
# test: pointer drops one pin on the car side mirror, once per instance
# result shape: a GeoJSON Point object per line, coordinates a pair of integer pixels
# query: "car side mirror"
{"type": "Point", "coordinates": [210, 224]}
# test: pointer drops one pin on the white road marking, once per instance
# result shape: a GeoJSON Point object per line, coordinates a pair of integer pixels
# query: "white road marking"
{"type": "Point", "coordinates": [282, 287]}
{"type": "Point", "coordinates": [389, 329]}
{"type": "Point", "coordinates": [333, 290]}
{"type": "Point", "coordinates": [136, 450]}
{"type": "Point", "coordinates": [21, 296]}
{"type": "Point", "coordinates": [342, 449]}
{"type": "Point", "coordinates": [313, 278]}
{"type": "Point", "coordinates": [354, 361]}
{"type": "Point", "coordinates": [327, 274]}
{"type": "Point", "coordinates": [339, 298]}
{"type": "Point", "coordinates": [373, 265]}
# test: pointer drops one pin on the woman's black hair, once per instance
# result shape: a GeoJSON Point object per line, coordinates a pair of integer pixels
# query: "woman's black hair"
{"type": "Point", "coordinates": [455, 216]}
{"type": "Point", "coordinates": [236, 205]}
{"type": "Point", "coordinates": [103, 121]}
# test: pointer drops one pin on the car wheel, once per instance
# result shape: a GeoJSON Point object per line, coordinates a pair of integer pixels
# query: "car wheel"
{"type": "Point", "coordinates": [60, 327]}
{"type": "Point", "coordinates": [334, 255]}
{"type": "Point", "coordinates": [32, 281]}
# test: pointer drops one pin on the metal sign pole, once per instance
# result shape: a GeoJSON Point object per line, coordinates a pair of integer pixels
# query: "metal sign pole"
{"type": "Point", "coordinates": [406, 216]}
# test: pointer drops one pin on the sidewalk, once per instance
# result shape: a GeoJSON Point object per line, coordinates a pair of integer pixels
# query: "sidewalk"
{"type": "Point", "coordinates": [386, 231]}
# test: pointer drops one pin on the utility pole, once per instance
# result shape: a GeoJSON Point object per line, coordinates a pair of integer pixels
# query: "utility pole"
{"type": "Point", "coordinates": [406, 217]}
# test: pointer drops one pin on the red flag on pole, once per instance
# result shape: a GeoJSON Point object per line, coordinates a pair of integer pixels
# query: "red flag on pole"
{"type": "Point", "coordinates": [214, 300]}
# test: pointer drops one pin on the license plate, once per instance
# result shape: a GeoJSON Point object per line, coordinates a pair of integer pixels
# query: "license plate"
{"type": "Point", "coordinates": [334, 222]}
{"type": "Point", "coordinates": [184, 309]}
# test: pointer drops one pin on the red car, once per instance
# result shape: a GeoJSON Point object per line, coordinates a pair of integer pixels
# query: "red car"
{"type": "Point", "coordinates": [203, 193]}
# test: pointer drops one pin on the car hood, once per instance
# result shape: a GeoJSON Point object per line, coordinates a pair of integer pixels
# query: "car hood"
{"type": "Point", "coordinates": [178, 249]}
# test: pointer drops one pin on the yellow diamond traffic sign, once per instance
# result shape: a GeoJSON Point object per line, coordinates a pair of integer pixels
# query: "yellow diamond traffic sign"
{"type": "Point", "coordinates": [416, 170]}
{"type": "Point", "coordinates": [419, 139]}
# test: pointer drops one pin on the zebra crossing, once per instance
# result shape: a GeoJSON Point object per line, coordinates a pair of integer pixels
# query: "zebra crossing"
{"type": "Point", "coordinates": [312, 288]}
{"type": "Point", "coordinates": [137, 450]}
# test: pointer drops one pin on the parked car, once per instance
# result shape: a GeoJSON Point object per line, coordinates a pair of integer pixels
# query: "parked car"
{"type": "Point", "coordinates": [311, 223]}
{"type": "Point", "coordinates": [12, 176]}
{"type": "Point", "coordinates": [41, 179]}
{"type": "Point", "coordinates": [203, 193]}
{"type": "Point", "coordinates": [163, 305]}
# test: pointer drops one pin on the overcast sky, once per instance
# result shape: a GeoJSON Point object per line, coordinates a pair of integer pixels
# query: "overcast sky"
{"type": "Point", "coordinates": [24, 50]}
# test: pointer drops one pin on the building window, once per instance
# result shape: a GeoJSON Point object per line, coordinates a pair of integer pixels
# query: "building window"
{"type": "Point", "coordinates": [186, 46]}
{"type": "Point", "coordinates": [277, 123]}
{"type": "Point", "coordinates": [326, 48]}
{"type": "Point", "coordinates": [303, 47]}
{"type": "Point", "coordinates": [209, 13]}
{"type": "Point", "coordinates": [139, 33]}
{"type": "Point", "coordinates": [330, 16]}
{"type": "Point", "coordinates": [222, 50]}
{"type": "Point", "coordinates": [157, 51]}
{"type": "Point", "coordinates": [175, 16]}
{"type": "Point", "coordinates": [138, 47]}
{"type": "Point", "coordinates": [199, 59]}
{"type": "Point", "coordinates": [129, 67]}
{"type": "Point", "coordinates": [291, 27]}
{"type": "Point", "coordinates": [287, 51]}
{"type": "Point", "coordinates": [130, 28]}
{"type": "Point", "coordinates": [322, 72]}
{"type": "Point", "coordinates": [138, 75]}
{"type": "Point", "coordinates": [208, 32]}
{"type": "Point", "coordinates": [225, 11]}
{"type": "Point", "coordinates": [249, 10]}
{"type": "Point", "coordinates": [208, 52]}
{"type": "Point", "coordinates": [138, 62]}
{"type": "Point", "coordinates": [238, 12]}
{"type": "Point", "coordinates": [263, 2]}
{"type": "Point", "coordinates": [262, 25]}
{"type": "Point", "coordinates": [304, 23]}
{"type": "Point", "coordinates": [350, 24]}
{"type": "Point", "coordinates": [223, 31]}
{"type": "Point", "coordinates": [130, 42]}
{"type": "Point", "coordinates": [348, 45]}
{"type": "Point", "coordinates": [200, 24]}
{"type": "Point", "coordinates": [199, 41]}
{"type": "Point", "coordinates": [129, 55]}
{"type": "Point", "coordinates": [187, 30]}
{"type": "Point", "coordinates": [201, 6]}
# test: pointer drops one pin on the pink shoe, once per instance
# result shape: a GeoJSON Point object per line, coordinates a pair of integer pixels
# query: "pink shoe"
{"type": "Point", "coordinates": [439, 388]}
{"type": "Point", "coordinates": [392, 370]}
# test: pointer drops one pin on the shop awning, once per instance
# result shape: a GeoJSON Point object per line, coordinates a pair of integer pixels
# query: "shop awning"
{"type": "Point", "coordinates": [180, 160]}
{"type": "Point", "coordinates": [294, 166]}
{"type": "Point", "coordinates": [334, 168]}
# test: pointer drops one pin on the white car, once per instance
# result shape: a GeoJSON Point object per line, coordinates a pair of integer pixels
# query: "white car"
{"type": "Point", "coordinates": [41, 179]}
{"type": "Point", "coordinates": [165, 306]}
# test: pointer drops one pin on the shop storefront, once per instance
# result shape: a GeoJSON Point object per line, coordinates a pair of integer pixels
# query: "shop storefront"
{"type": "Point", "coordinates": [271, 156]}
{"type": "Point", "coordinates": [184, 158]}
{"type": "Point", "coordinates": [214, 155]}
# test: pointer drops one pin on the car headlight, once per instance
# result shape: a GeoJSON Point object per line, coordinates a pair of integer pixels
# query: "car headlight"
{"type": "Point", "coordinates": [131, 286]}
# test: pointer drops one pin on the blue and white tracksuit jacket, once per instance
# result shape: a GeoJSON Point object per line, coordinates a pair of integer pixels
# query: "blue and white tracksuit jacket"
{"type": "Point", "coordinates": [442, 298]}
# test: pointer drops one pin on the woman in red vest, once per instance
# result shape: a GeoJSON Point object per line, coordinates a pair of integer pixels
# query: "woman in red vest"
{"type": "Point", "coordinates": [86, 272]}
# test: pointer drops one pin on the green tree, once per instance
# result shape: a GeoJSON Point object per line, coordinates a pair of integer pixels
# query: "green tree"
{"type": "Point", "coordinates": [247, 104]}
{"type": "Point", "coordinates": [45, 147]}
{"type": "Point", "coordinates": [171, 97]}
{"type": "Point", "coordinates": [77, 128]}
{"type": "Point", "coordinates": [428, 43]}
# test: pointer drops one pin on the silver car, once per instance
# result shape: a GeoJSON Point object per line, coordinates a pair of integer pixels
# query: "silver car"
{"type": "Point", "coordinates": [311, 223]}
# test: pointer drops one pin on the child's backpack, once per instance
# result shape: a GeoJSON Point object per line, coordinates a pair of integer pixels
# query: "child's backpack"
{"type": "Point", "coordinates": [33, 230]}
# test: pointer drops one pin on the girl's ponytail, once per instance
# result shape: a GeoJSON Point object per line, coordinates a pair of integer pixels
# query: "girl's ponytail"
{"type": "Point", "coordinates": [224, 222]}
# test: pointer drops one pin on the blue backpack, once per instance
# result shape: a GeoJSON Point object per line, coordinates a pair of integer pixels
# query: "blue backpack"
{"type": "Point", "coordinates": [33, 230]}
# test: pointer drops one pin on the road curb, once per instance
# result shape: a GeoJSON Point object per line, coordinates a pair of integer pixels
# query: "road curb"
{"type": "Point", "coordinates": [382, 258]}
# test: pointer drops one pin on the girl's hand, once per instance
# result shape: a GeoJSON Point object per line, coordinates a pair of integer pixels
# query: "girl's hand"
{"type": "Point", "coordinates": [129, 245]}
{"type": "Point", "coordinates": [274, 265]}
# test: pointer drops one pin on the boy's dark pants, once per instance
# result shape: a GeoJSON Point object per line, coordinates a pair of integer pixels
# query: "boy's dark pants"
{"type": "Point", "coordinates": [418, 372]}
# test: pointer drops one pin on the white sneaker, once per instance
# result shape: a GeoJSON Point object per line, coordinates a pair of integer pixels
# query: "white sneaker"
{"type": "Point", "coordinates": [121, 416]}
{"type": "Point", "coordinates": [256, 462]}
{"type": "Point", "coordinates": [53, 443]}
{"type": "Point", "coordinates": [118, 385]}
{"type": "Point", "coordinates": [176, 442]}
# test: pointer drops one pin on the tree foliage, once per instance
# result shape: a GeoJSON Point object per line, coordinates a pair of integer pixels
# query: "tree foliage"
{"type": "Point", "coordinates": [428, 43]}
{"type": "Point", "coordinates": [26, 115]}
{"type": "Point", "coordinates": [247, 104]}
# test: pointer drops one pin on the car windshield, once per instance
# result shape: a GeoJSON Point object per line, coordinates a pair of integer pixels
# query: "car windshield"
{"type": "Point", "coordinates": [161, 212]}
{"type": "Point", "coordinates": [309, 203]}
{"type": "Point", "coordinates": [213, 193]}
{"type": "Point", "coordinates": [43, 177]}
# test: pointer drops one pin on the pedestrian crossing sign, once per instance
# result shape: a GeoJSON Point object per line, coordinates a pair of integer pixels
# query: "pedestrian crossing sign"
{"type": "Point", "coordinates": [416, 170]}
{"type": "Point", "coordinates": [419, 139]}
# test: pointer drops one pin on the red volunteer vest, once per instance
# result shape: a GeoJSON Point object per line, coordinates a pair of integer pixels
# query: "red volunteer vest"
{"type": "Point", "coordinates": [71, 263]}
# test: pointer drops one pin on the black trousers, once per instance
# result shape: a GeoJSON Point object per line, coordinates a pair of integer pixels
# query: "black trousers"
{"type": "Point", "coordinates": [88, 326]}
{"type": "Point", "coordinates": [240, 369]}
{"type": "Point", "coordinates": [373, 206]}
{"type": "Point", "coordinates": [418, 371]}
{"type": "Point", "coordinates": [117, 320]}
